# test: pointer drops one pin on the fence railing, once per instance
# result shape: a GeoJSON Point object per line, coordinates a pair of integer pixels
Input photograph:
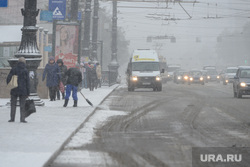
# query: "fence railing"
{"type": "Point", "coordinates": [109, 78]}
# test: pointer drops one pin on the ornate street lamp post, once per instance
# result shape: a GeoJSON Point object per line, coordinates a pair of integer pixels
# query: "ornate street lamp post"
{"type": "Point", "coordinates": [113, 66]}
{"type": "Point", "coordinates": [95, 31]}
{"type": "Point", "coordinates": [86, 36]}
{"type": "Point", "coordinates": [28, 47]}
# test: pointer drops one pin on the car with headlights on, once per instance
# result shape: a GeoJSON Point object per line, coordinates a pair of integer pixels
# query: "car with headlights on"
{"type": "Point", "coordinates": [228, 77]}
{"type": "Point", "coordinates": [204, 74]}
{"type": "Point", "coordinates": [213, 76]}
{"type": "Point", "coordinates": [172, 68]}
{"type": "Point", "coordinates": [241, 83]}
{"type": "Point", "coordinates": [195, 76]}
{"type": "Point", "coordinates": [182, 77]}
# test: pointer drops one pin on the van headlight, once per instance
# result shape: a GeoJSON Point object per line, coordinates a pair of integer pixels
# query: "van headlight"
{"type": "Point", "coordinates": [191, 79]}
{"type": "Point", "coordinates": [179, 77]}
{"type": "Point", "coordinates": [201, 78]}
{"type": "Point", "coordinates": [218, 77]}
{"type": "Point", "coordinates": [157, 78]}
{"type": "Point", "coordinates": [186, 77]}
{"type": "Point", "coordinates": [208, 77]}
{"type": "Point", "coordinates": [134, 78]}
{"type": "Point", "coordinates": [243, 84]}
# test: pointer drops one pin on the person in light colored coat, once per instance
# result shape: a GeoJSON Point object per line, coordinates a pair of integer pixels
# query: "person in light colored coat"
{"type": "Point", "coordinates": [99, 75]}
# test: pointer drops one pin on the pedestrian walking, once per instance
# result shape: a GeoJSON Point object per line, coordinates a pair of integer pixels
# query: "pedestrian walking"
{"type": "Point", "coordinates": [74, 78]}
{"type": "Point", "coordinates": [85, 78]}
{"type": "Point", "coordinates": [62, 69]}
{"type": "Point", "coordinates": [91, 75]}
{"type": "Point", "coordinates": [22, 91]}
{"type": "Point", "coordinates": [82, 69]}
{"type": "Point", "coordinates": [52, 74]}
{"type": "Point", "coordinates": [99, 75]}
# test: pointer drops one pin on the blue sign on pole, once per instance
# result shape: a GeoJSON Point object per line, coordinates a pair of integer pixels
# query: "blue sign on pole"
{"type": "Point", "coordinates": [79, 15]}
{"type": "Point", "coordinates": [3, 3]}
{"type": "Point", "coordinates": [58, 8]}
{"type": "Point", "coordinates": [48, 48]}
{"type": "Point", "coordinates": [46, 15]}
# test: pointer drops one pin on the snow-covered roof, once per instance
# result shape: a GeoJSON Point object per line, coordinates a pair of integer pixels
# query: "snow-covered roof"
{"type": "Point", "coordinates": [11, 33]}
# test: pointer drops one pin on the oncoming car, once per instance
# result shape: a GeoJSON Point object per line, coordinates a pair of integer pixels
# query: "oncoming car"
{"type": "Point", "coordinates": [229, 75]}
{"type": "Point", "coordinates": [204, 74]}
{"type": "Point", "coordinates": [212, 75]}
{"type": "Point", "coordinates": [241, 83]}
{"type": "Point", "coordinates": [182, 77]}
{"type": "Point", "coordinates": [195, 76]}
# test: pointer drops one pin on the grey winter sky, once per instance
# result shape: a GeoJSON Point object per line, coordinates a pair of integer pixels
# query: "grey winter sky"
{"type": "Point", "coordinates": [209, 19]}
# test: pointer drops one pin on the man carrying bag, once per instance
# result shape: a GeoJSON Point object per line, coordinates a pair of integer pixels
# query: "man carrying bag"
{"type": "Point", "coordinates": [22, 90]}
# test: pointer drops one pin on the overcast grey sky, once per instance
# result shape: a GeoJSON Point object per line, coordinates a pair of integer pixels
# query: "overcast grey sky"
{"type": "Point", "coordinates": [208, 21]}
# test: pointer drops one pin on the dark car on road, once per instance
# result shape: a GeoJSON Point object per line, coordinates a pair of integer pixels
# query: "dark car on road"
{"type": "Point", "coordinates": [241, 83]}
{"type": "Point", "coordinates": [195, 76]}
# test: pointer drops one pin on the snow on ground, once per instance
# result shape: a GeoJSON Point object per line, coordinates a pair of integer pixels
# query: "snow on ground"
{"type": "Point", "coordinates": [85, 136]}
{"type": "Point", "coordinates": [32, 144]}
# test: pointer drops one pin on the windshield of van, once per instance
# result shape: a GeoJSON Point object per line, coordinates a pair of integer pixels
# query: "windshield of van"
{"type": "Point", "coordinates": [145, 66]}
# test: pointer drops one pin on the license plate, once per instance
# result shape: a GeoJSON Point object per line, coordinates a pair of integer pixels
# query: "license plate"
{"type": "Point", "coordinates": [145, 83]}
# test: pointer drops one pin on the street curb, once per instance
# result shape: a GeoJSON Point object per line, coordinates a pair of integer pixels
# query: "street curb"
{"type": "Point", "coordinates": [56, 153]}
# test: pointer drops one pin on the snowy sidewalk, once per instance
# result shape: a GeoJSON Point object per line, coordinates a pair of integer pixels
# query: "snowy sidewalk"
{"type": "Point", "coordinates": [32, 144]}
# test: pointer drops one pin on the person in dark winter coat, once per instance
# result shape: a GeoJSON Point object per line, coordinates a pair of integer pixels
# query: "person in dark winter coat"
{"type": "Point", "coordinates": [22, 91]}
{"type": "Point", "coordinates": [63, 70]}
{"type": "Point", "coordinates": [74, 79]}
{"type": "Point", "coordinates": [92, 77]}
{"type": "Point", "coordinates": [52, 72]}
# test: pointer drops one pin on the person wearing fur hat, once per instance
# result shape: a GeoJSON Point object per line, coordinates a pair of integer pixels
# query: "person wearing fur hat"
{"type": "Point", "coordinates": [52, 74]}
{"type": "Point", "coordinates": [74, 78]}
{"type": "Point", "coordinates": [22, 91]}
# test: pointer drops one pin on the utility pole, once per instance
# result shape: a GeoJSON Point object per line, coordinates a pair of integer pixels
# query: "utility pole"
{"type": "Point", "coordinates": [95, 31]}
{"type": "Point", "coordinates": [74, 18]}
{"type": "Point", "coordinates": [74, 10]}
{"type": "Point", "coordinates": [113, 65]}
{"type": "Point", "coordinates": [86, 38]}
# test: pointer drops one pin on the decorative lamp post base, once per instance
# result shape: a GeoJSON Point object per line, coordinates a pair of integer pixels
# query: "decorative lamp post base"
{"type": "Point", "coordinates": [31, 64]}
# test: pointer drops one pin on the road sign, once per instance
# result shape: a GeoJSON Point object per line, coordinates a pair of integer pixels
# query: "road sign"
{"type": "Point", "coordinates": [58, 8]}
{"type": "Point", "coordinates": [46, 15]}
{"type": "Point", "coordinates": [3, 3]}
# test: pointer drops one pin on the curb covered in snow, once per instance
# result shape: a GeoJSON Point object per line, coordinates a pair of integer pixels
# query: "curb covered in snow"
{"type": "Point", "coordinates": [75, 131]}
